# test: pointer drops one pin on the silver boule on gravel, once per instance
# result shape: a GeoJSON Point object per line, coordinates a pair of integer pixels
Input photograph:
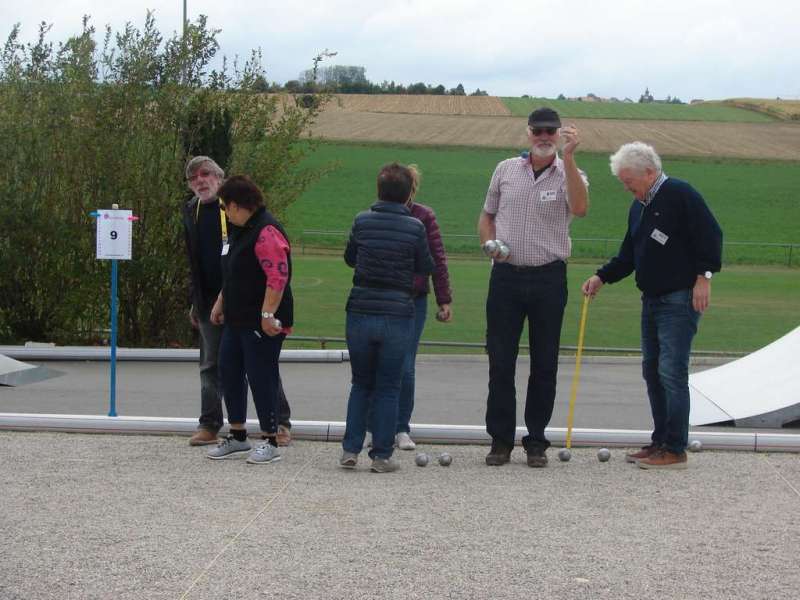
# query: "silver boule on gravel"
{"type": "Point", "coordinates": [564, 455]}
{"type": "Point", "coordinates": [603, 455]}
{"type": "Point", "coordinates": [445, 459]}
{"type": "Point", "coordinates": [421, 459]}
{"type": "Point", "coordinates": [695, 446]}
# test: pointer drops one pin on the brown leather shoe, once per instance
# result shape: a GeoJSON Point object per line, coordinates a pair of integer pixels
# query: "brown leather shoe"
{"type": "Point", "coordinates": [498, 455]}
{"type": "Point", "coordinates": [645, 452]}
{"type": "Point", "coordinates": [203, 437]}
{"type": "Point", "coordinates": [284, 436]}
{"type": "Point", "coordinates": [664, 459]}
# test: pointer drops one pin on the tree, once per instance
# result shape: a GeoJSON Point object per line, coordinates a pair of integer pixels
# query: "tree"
{"type": "Point", "coordinates": [83, 125]}
{"type": "Point", "coordinates": [458, 90]}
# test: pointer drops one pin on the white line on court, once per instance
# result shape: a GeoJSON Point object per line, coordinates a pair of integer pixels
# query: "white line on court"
{"type": "Point", "coordinates": [778, 473]}
{"type": "Point", "coordinates": [207, 568]}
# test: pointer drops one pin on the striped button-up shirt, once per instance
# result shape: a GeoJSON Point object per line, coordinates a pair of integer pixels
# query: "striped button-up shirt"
{"type": "Point", "coordinates": [531, 215]}
{"type": "Point", "coordinates": [651, 193]}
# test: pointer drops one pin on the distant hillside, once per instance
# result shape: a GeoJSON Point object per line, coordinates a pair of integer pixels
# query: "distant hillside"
{"type": "Point", "coordinates": [703, 111]}
{"type": "Point", "coordinates": [786, 110]}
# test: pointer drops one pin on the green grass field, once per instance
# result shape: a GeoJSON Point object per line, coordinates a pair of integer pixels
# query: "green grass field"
{"type": "Point", "coordinates": [750, 306]}
{"type": "Point", "coordinates": [755, 201]}
{"type": "Point", "coordinates": [522, 107]}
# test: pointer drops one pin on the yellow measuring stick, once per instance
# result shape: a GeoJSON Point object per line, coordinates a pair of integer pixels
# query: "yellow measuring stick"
{"type": "Point", "coordinates": [577, 375]}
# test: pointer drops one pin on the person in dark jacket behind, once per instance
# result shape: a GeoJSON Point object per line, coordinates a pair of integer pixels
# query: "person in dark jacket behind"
{"type": "Point", "coordinates": [387, 248]}
{"type": "Point", "coordinates": [257, 308]}
{"type": "Point", "coordinates": [206, 230]}
{"type": "Point", "coordinates": [674, 244]}
{"type": "Point", "coordinates": [443, 294]}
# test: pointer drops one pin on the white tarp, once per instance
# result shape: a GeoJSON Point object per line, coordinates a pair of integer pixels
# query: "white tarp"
{"type": "Point", "coordinates": [14, 372]}
{"type": "Point", "coordinates": [764, 381]}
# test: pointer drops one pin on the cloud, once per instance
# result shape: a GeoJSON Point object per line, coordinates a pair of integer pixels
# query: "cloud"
{"type": "Point", "coordinates": [709, 49]}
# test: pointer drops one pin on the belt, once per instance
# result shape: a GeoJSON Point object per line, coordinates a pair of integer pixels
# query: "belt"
{"type": "Point", "coordinates": [526, 269]}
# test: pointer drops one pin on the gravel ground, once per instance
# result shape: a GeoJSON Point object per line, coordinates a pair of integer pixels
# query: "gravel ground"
{"type": "Point", "coordinates": [102, 516]}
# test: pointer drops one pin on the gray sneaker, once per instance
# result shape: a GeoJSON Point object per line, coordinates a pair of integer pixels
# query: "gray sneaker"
{"type": "Point", "coordinates": [384, 465]}
{"type": "Point", "coordinates": [349, 460]}
{"type": "Point", "coordinates": [228, 448]}
{"type": "Point", "coordinates": [263, 454]}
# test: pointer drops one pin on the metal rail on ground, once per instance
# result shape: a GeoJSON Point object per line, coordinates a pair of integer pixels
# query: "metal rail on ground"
{"type": "Point", "coordinates": [333, 431]}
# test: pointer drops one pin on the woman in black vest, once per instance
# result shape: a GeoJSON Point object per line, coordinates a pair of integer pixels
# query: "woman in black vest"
{"type": "Point", "coordinates": [256, 306]}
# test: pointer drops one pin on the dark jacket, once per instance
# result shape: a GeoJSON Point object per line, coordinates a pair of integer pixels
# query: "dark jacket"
{"type": "Point", "coordinates": [440, 275]}
{"type": "Point", "coordinates": [693, 243]}
{"type": "Point", "coordinates": [243, 280]}
{"type": "Point", "coordinates": [202, 300]}
{"type": "Point", "coordinates": [387, 247]}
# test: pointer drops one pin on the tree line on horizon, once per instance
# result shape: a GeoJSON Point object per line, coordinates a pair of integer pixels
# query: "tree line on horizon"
{"type": "Point", "coordinates": [342, 79]}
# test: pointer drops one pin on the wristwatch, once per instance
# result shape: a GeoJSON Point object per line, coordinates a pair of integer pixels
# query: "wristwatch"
{"type": "Point", "coordinates": [267, 315]}
{"type": "Point", "coordinates": [708, 274]}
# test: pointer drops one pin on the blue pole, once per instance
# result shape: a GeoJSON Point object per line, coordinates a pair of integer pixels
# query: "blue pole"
{"type": "Point", "coordinates": [112, 410]}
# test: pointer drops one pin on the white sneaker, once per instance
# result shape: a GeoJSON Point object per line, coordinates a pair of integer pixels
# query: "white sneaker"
{"type": "Point", "coordinates": [404, 441]}
{"type": "Point", "coordinates": [263, 454]}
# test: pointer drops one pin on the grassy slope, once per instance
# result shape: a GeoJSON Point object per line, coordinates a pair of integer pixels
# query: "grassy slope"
{"type": "Point", "coordinates": [753, 201]}
{"type": "Point", "coordinates": [521, 107]}
{"type": "Point", "coordinates": [751, 306]}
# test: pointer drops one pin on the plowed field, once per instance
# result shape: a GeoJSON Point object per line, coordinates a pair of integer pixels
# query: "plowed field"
{"type": "Point", "coordinates": [426, 105]}
{"type": "Point", "coordinates": [777, 140]}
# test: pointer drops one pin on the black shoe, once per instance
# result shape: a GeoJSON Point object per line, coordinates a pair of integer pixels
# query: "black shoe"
{"type": "Point", "coordinates": [536, 457]}
{"type": "Point", "coordinates": [500, 454]}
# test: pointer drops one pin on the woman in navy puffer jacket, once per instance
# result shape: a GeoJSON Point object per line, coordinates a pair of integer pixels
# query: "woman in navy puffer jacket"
{"type": "Point", "coordinates": [387, 248]}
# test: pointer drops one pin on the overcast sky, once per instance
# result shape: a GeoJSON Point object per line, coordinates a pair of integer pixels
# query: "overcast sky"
{"type": "Point", "coordinates": [709, 49]}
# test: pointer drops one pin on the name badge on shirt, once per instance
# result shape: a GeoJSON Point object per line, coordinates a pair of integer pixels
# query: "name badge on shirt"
{"type": "Point", "coordinates": [225, 248]}
{"type": "Point", "coordinates": [659, 236]}
{"type": "Point", "coordinates": [547, 196]}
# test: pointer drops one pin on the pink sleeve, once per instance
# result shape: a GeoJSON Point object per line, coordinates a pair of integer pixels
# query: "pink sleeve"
{"type": "Point", "coordinates": [272, 251]}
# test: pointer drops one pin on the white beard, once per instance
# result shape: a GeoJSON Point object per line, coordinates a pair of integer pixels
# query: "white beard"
{"type": "Point", "coordinates": [544, 150]}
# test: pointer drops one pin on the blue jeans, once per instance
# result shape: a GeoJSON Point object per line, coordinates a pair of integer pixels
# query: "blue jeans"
{"type": "Point", "coordinates": [406, 402]}
{"type": "Point", "coordinates": [377, 345]}
{"type": "Point", "coordinates": [516, 293]}
{"type": "Point", "coordinates": [669, 323]}
{"type": "Point", "coordinates": [251, 356]}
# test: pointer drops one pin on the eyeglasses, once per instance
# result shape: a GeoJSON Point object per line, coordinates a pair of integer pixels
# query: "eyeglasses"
{"type": "Point", "coordinates": [540, 130]}
{"type": "Point", "coordinates": [200, 173]}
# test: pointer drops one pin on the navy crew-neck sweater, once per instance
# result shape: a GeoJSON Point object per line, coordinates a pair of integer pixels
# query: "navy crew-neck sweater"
{"type": "Point", "coordinates": [669, 242]}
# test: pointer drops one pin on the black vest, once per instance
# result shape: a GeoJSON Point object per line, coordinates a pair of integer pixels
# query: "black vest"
{"type": "Point", "coordinates": [243, 280]}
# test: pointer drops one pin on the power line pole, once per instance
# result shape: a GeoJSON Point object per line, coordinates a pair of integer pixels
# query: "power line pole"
{"type": "Point", "coordinates": [184, 18]}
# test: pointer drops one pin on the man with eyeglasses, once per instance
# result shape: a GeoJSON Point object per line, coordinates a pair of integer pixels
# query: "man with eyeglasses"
{"type": "Point", "coordinates": [206, 230]}
{"type": "Point", "coordinates": [528, 208]}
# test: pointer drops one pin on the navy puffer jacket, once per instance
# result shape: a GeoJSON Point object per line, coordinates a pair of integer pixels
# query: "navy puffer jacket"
{"type": "Point", "coordinates": [387, 247]}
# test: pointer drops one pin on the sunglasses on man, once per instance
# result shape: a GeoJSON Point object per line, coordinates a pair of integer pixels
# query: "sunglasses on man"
{"type": "Point", "coordinates": [540, 130]}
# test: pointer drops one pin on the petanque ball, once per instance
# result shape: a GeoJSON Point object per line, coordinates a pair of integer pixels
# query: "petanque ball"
{"type": "Point", "coordinates": [564, 455]}
{"type": "Point", "coordinates": [695, 446]}
{"type": "Point", "coordinates": [421, 459]}
{"type": "Point", "coordinates": [445, 459]}
{"type": "Point", "coordinates": [603, 455]}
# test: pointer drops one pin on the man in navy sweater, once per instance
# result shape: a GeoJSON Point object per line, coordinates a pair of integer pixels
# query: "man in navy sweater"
{"type": "Point", "coordinates": [674, 244]}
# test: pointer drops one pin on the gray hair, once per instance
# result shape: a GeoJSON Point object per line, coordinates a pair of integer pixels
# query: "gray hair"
{"type": "Point", "coordinates": [636, 156]}
{"type": "Point", "coordinates": [198, 161]}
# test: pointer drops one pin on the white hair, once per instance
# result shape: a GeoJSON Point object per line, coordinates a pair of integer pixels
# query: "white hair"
{"type": "Point", "coordinates": [198, 161]}
{"type": "Point", "coordinates": [636, 156]}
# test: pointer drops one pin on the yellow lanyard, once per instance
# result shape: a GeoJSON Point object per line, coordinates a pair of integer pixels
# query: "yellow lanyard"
{"type": "Point", "coordinates": [223, 222]}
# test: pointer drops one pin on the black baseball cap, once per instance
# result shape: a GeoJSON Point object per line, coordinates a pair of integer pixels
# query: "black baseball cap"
{"type": "Point", "coordinates": [544, 117]}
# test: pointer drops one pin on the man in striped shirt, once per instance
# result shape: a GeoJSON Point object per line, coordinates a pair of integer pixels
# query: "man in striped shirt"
{"type": "Point", "coordinates": [529, 206]}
